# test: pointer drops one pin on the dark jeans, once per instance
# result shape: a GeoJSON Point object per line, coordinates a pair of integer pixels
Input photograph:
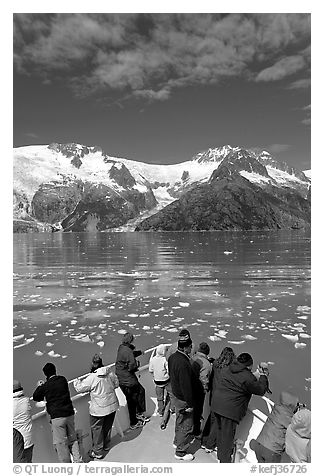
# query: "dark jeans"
{"type": "Point", "coordinates": [18, 446]}
{"type": "Point", "coordinates": [263, 454]}
{"type": "Point", "coordinates": [198, 410]}
{"type": "Point", "coordinates": [135, 397]}
{"type": "Point", "coordinates": [210, 432]}
{"type": "Point", "coordinates": [28, 454]}
{"type": "Point", "coordinates": [100, 431]}
{"type": "Point", "coordinates": [164, 401]}
{"type": "Point", "coordinates": [183, 427]}
{"type": "Point", "coordinates": [225, 434]}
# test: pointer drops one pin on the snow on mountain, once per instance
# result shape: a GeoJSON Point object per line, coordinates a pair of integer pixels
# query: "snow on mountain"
{"type": "Point", "coordinates": [308, 173]}
{"type": "Point", "coordinates": [64, 165]}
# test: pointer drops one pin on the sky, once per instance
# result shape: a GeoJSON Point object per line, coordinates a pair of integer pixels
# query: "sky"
{"type": "Point", "coordinates": [162, 87]}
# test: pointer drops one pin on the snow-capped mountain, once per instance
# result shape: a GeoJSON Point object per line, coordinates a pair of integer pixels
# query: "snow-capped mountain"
{"type": "Point", "coordinates": [76, 187]}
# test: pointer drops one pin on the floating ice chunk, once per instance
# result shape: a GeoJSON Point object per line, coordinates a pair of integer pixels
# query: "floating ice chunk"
{"type": "Point", "coordinates": [300, 345]}
{"type": "Point", "coordinates": [270, 363]}
{"type": "Point", "coordinates": [214, 338]}
{"type": "Point", "coordinates": [49, 334]}
{"type": "Point", "coordinates": [83, 339]}
{"type": "Point", "coordinates": [144, 315]}
{"type": "Point", "coordinates": [146, 328]}
{"type": "Point", "coordinates": [236, 342]}
{"type": "Point", "coordinates": [228, 252]}
{"type": "Point", "coordinates": [132, 315]}
{"type": "Point", "coordinates": [74, 321]}
{"type": "Point", "coordinates": [49, 344]}
{"type": "Point", "coordinates": [273, 309]}
{"type": "Point", "coordinates": [302, 317]}
{"type": "Point", "coordinates": [15, 338]}
{"type": "Point", "coordinates": [64, 356]}
{"type": "Point", "coordinates": [303, 308]}
{"type": "Point", "coordinates": [38, 352]}
{"type": "Point", "coordinates": [101, 343]}
{"type": "Point", "coordinates": [249, 337]}
{"type": "Point", "coordinates": [202, 320]}
{"type": "Point", "coordinates": [51, 353]}
{"type": "Point", "coordinates": [122, 331]}
{"type": "Point", "coordinates": [222, 333]}
{"type": "Point", "coordinates": [184, 304]}
{"type": "Point", "coordinates": [292, 338]}
{"type": "Point", "coordinates": [172, 329]}
{"type": "Point", "coordinates": [304, 335]}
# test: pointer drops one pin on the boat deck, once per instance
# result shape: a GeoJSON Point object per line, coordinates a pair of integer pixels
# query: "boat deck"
{"type": "Point", "coordinates": [150, 444]}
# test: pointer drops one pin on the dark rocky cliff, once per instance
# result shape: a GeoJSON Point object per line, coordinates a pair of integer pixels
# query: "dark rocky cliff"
{"type": "Point", "coordinates": [230, 202]}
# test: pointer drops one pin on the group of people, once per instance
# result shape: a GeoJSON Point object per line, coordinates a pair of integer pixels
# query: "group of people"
{"type": "Point", "coordinates": [184, 376]}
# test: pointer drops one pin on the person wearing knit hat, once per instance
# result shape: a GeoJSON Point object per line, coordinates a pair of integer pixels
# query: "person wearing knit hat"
{"type": "Point", "coordinates": [182, 383]}
{"type": "Point", "coordinates": [233, 388]}
{"type": "Point", "coordinates": [184, 334]}
{"type": "Point", "coordinates": [22, 420]}
{"type": "Point", "coordinates": [55, 391]}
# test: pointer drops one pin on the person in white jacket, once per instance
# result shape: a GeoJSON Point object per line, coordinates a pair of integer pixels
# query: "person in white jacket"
{"type": "Point", "coordinates": [158, 366]}
{"type": "Point", "coordinates": [101, 384]}
{"type": "Point", "coordinates": [22, 420]}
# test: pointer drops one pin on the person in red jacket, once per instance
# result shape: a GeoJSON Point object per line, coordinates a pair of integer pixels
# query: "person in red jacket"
{"type": "Point", "coordinates": [182, 380]}
{"type": "Point", "coordinates": [232, 392]}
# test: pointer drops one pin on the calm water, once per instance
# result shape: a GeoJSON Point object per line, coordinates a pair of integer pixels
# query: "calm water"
{"type": "Point", "coordinates": [75, 293]}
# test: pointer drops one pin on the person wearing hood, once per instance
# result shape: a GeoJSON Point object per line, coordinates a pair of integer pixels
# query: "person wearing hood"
{"type": "Point", "coordinates": [233, 388]}
{"type": "Point", "coordinates": [270, 444]}
{"type": "Point", "coordinates": [158, 366]}
{"type": "Point", "coordinates": [22, 420]}
{"type": "Point", "coordinates": [298, 437]}
{"type": "Point", "coordinates": [126, 367]}
{"type": "Point", "coordinates": [101, 384]}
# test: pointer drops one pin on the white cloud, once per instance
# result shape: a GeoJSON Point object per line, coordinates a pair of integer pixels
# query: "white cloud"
{"type": "Point", "coordinates": [304, 83]}
{"type": "Point", "coordinates": [149, 55]}
{"type": "Point", "coordinates": [282, 68]}
{"type": "Point", "coordinates": [277, 148]}
{"type": "Point", "coordinates": [307, 120]}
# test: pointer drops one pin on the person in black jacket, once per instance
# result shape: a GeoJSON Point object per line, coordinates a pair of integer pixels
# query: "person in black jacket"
{"type": "Point", "coordinates": [125, 367]}
{"type": "Point", "coordinates": [60, 409]}
{"type": "Point", "coordinates": [182, 382]}
{"type": "Point", "coordinates": [234, 386]}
